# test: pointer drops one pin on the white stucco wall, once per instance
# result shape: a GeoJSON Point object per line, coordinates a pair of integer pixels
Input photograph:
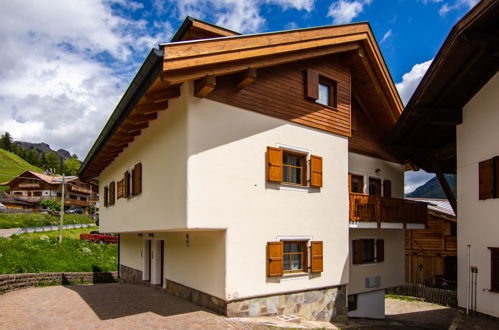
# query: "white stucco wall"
{"type": "Point", "coordinates": [370, 305]}
{"type": "Point", "coordinates": [227, 188]}
{"type": "Point", "coordinates": [478, 225]}
{"type": "Point", "coordinates": [131, 251]}
{"type": "Point", "coordinates": [366, 166]}
{"type": "Point", "coordinates": [391, 271]}
{"type": "Point", "coordinates": [161, 148]}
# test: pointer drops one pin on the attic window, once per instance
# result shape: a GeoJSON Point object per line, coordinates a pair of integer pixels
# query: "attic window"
{"type": "Point", "coordinates": [321, 89]}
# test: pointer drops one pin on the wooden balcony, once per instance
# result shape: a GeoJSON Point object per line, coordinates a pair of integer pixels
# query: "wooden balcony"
{"type": "Point", "coordinates": [369, 208]}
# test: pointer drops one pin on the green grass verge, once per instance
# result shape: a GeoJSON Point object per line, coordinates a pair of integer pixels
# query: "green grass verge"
{"type": "Point", "coordinates": [399, 297]}
{"type": "Point", "coordinates": [41, 252]}
{"type": "Point", "coordinates": [38, 220]}
{"type": "Point", "coordinates": [12, 165]}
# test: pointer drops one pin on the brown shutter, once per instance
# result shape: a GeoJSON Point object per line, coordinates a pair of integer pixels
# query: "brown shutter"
{"type": "Point", "coordinates": [496, 177]}
{"type": "Point", "coordinates": [106, 196]}
{"type": "Point", "coordinates": [275, 264]}
{"type": "Point", "coordinates": [312, 85]}
{"type": "Point", "coordinates": [274, 164]}
{"type": "Point", "coordinates": [126, 184]}
{"type": "Point", "coordinates": [494, 269]}
{"type": "Point", "coordinates": [315, 171]}
{"type": "Point", "coordinates": [380, 250]}
{"type": "Point", "coordinates": [387, 188]}
{"type": "Point", "coordinates": [137, 180]}
{"type": "Point", "coordinates": [485, 176]}
{"type": "Point", "coordinates": [316, 257]}
{"type": "Point", "coordinates": [112, 190]}
{"type": "Point", "coordinates": [357, 251]}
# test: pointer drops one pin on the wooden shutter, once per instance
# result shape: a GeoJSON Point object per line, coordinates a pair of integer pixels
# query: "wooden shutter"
{"type": "Point", "coordinates": [275, 264]}
{"type": "Point", "coordinates": [485, 177]}
{"type": "Point", "coordinates": [496, 177]}
{"type": "Point", "coordinates": [106, 196]}
{"type": "Point", "coordinates": [274, 164]}
{"type": "Point", "coordinates": [316, 257]}
{"type": "Point", "coordinates": [357, 251]}
{"type": "Point", "coordinates": [137, 179]}
{"type": "Point", "coordinates": [380, 250]}
{"type": "Point", "coordinates": [315, 171]}
{"type": "Point", "coordinates": [387, 188]}
{"type": "Point", "coordinates": [312, 85]}
{"type": "Point", "coordinates": [126, 184]}
{"type": "Point", "coordinates": [112, 193]}
{"type": "Point", "coordinates": [494, 269]}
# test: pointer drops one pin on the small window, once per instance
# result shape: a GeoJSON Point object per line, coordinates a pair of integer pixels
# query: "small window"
{"type": "Point", "coordinates": [327, 92]}
{"type": "Point", "coordinates": [356, 184]}
{"type": "Point", "coordinates": [323, 94]}
{"type": "Point", "coordinates": [494, 269]}
{"type": "Point", "coordinates": [352, 302]}
{"type": "Point", "coordinates": [368, 251]}
{"type": "Point", "coordinates": [295, 256]}
{"type": "Point", "coordinates": [294, 168]}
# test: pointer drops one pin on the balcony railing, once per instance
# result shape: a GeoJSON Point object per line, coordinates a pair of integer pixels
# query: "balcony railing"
{"type": "Point", "coordinates": [38, 199]}
{"type": "Point", "coordinates": [369, 208]}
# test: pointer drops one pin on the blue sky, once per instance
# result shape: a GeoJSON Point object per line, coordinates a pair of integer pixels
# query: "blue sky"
{"type": "Point", "coordinates": [65, 64]}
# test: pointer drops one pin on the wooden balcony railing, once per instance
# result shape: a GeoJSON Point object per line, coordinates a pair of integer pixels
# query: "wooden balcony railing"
{"type": "Point", "coordinates": [369, 208]}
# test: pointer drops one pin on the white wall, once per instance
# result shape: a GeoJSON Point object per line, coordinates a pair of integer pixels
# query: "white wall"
{"type": "Point", "coordinates": [367, 165]}
{"type": "Point", "coordinates": [478, 225]}
{"type": "Point", "coordinates": [131, 251]}
{"type": "Point", "coordinates": [228, 189]}
{"type": "Point", "coordinates": [161, 148]}
{"type": "Point", "coordinates": [391, 270]}
{"type": "Point", "coordinates": [370, 305]}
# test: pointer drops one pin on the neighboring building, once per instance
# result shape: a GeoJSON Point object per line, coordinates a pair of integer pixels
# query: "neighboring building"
{"type": "Point", "coordinates": [11, 203]}
{"type": "Point", "coordinates": [450, 126]}
{"type": "Point", "coordinates": [33, 187]}
{"type": "Point", "coordinates": [225, 170]}
{"type": "Point", "coordinates": [431, 253]}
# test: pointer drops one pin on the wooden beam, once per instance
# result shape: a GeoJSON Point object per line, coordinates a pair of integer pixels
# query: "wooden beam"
{"type": "Point", "coordinates": [164, 94]}
{"type": "Point", "coordinates": [139, 119]}
{"type": "Point", "coordinates": [120, 142]}
{"type": "Point", "coordinates": [445, 186]}
{"type": "Point", "coordinates": [148, 108]}
{"type": "Point", "coordinates": [246, 78]}
{"type": "Point", "coordinates": [120, 134]}
{"type": "Point", "coordinates": [133, 128]}
{"type": "Point", "coordinates": [204, 86]}
{"type": "Point", "coordinates": [441, 116]}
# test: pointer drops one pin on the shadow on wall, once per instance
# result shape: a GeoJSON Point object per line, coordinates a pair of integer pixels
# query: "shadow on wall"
{"type": "Point", "coordinates": [110, 301]}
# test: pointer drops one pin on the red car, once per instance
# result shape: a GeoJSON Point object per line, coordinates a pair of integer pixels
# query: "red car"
{"type": "Point", "coordinates": [101, 238]}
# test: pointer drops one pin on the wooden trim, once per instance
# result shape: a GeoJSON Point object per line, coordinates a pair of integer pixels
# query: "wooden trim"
{"type": "Point", "coordinates": [312, 84]}
{"type": "Point", "coordinates": [147, 108]}
{"type": "Point", "coordinates": [163, 94]}
{"type": "Point", "coordinates": [247, 77]}
{"type": "Point", "coordinates": [275, 259]}
{"type": "Point", "coordinates": [316, 256]}
{"type": "Point", "coordinates": [204, 86]}
{"type": "Point", "coordinates": [274, 164]}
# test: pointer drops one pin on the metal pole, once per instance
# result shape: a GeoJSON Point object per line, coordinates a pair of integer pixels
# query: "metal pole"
{"type": "Point", "coordinates": [62, 210]}
{"type": "Point", "coordinates": [469, 279]}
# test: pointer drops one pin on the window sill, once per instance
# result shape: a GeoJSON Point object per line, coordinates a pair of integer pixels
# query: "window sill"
{"type": "Point", "coordinates": [367, 264]}
{"type": "Point", "coordinates": [291, 187]}
{"type": "Point", "coordinates": [327, 106]}
{"type": "Point", "coordinates": [294, 276]}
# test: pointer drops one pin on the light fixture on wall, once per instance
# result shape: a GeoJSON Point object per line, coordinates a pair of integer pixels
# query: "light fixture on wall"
{"type": "Point", "coordinates": [187, 240]}
{"type": "Point", "coordinates": [139, 235]}
{"type": "Point", "coordinates": [150, 235]}
{"type": "Point", "coordinates": [378, 171]}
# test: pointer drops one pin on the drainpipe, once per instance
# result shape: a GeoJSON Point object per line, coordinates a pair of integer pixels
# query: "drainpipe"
{"type": "Point", "coordinates": [469, 279]}
{"type": "Point", "coordinates": [119, 245]}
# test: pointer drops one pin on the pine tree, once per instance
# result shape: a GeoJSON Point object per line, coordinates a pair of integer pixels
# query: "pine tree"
{"type": "Point", "coordinates": [6, 141]}
{"type": "Point", "coordinates": [53, 161]}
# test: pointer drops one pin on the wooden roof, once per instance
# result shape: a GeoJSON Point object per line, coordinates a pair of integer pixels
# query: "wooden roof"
{"type": "Point", "coordinates": [204, 59]}
{"type": "Point", "coordinates": [425, 134]}
{"type": "Point", "coordinates": [193, 29]}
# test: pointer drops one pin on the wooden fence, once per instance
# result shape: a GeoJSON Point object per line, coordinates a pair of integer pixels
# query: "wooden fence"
{"type": "Point", "coordinates": [433, 295]}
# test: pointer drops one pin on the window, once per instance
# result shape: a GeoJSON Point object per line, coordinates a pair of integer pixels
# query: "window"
{"type": "Point", "coordinates": [368, 251]}
{"type": "Point", "coordinates": [352, 302]}
{"type": "Point", "coordinates": [321, 89]}
{"type": "Point", "coordinates": [374, 187]}
{"type": "Point", "coordinates": [137, 179]}
{"type": "Point", "coordinates": [294, 168]}
{"type": "Point", "coordinates": [295, 256]}
{"type": "Point", "coordinates": [323, 94]}
{"type": "Point", "coordinates": [356, 184]}
{"type": "Point", "coordinates": [488, 178]}
{"type": "Point", "coordinates": [494, 269]}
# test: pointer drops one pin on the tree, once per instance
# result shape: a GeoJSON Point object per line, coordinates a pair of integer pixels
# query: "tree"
{"type": "Point", "coordinates": [51, 204]}
{"type": "Point", "coordinates": [72, 165]}
{"type": "Point", "coordinates": [32, 157]}
{"type": "Point", "coordinates": [53, 161]}
{"type": "Point", "coordinates": [6, 141]}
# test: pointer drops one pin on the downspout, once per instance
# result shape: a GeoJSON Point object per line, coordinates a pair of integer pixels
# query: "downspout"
{"type": "Point", "coordinates": [119, 254]}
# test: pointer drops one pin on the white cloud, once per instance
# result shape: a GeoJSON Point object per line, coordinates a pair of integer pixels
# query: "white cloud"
{"type": "Point", "coordinates": [458, 4]}
{"type": "Point", "coordinates": [239, 15]}
{"type": "Point", "coordinates": [414, 179]}
{"type": "Point", "coordinates": [344, 11]}
{"type": "Point", "coordinates": [387, 35]}
{"type": "Point", "coordinates": [64, 66]}
{"type": "Point", "coordinates": [411, 79]}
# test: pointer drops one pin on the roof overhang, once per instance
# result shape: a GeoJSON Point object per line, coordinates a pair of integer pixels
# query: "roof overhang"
{"type": "Point", "coordinates": [425, 134]}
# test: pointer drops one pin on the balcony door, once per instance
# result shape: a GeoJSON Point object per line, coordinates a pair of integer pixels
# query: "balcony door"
{"type": "Point", "coordinates": [356, 183]}
{"type": "Point", "coordinates": [374, 186]}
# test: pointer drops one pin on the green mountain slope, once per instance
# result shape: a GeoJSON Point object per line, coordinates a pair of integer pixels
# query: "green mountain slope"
{"type": "Point", "coordinates": [433, 189]}
{"type": "Point", "coordinates": [12, 165]}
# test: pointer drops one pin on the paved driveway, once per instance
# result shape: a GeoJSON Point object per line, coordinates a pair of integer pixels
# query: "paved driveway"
{"type": "Point", "coordinates": [105, 306]}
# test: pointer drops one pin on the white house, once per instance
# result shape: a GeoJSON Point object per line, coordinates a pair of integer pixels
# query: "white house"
{"type": "Point", "coordinates": [450, 126]}
{"type": "Point", "coordinates": [224, 169]}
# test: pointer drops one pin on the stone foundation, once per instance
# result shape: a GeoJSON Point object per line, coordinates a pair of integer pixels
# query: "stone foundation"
{"type": "Point", "coordinates": [328, 304]}
{"type": "Point", "coordinates": [10, 282]}
{"type": "Point", "coordinates": [129, 275]}
{"type": "Point", "coordinates": [197, 297]}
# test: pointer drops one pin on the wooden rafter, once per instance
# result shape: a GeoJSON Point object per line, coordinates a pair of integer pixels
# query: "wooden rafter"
{"type": "Point", "coordinates": [153, 107]}
{"type": "Point", "coordinates": [204, 86]}
{"type": "Point", "coordinates": [142, 118]}
{"type": "Point", "coordinates": [246, 78]}
{"type": "Point", "coordinates": [168, 93]}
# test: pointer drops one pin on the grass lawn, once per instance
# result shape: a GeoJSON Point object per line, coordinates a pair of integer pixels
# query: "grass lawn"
{"type": "Point", "coordinates": [41, 252]}
{"type": "Point", "coordinates": [11, 165]}
{"type": "Point", "coordinates": [38, 220]}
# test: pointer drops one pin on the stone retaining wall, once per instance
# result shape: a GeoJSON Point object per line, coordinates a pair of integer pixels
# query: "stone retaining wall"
{"type": "Point", "coordinates": [10, 282]}
{"type": "Point", "coordinates": [197, 297]}
{"type": "Point", "coordinates": [129, 275]}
